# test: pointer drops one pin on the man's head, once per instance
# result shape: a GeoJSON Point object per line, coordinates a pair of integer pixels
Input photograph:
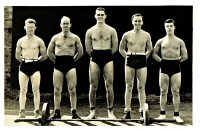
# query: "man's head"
{"type": "Point", "coordinates": [169, 26]}
{"type": "Point", "coordinates": [65, 23]}
{"type": "Point", "coordinates": [30, 26]}
{"type": "Point", "coordinates": [137, 21]}
{"type": "Point", "coordinates": [100, 15]}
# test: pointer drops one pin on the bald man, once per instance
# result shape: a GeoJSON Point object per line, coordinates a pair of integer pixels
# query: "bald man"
{"type": "Point", "coordinates": [64, 49]}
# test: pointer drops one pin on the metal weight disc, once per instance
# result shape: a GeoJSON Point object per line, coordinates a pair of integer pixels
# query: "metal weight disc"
{"type": "Point", "coordinates": [45, 114]}
{"type": "Point", "coordinates": [145, 115]}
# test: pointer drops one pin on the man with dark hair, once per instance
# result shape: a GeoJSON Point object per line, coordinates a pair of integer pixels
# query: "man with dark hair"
{"type": "Point", "coordinates": [139, 47]}
{"type": "Point", "coordinates": [27, 53]}
{"type": "Point", "coordinates": [173, 52]}
{"type": "Point", "coordinates": [101, 43]}
{"type": "Point", "coordinates": [64, 50]}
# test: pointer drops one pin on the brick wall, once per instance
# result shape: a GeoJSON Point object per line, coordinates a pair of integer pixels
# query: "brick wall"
{"type": "Point", "coordinates": [7, 44]}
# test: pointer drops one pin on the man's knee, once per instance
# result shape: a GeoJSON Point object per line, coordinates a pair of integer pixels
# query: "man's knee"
{"type": "Point", "coordinates": [164, 92]}
{"type": "Point", "coordinates": [36, 91]}
{"type": "Point", "coordinates": [129, 87]}
{"type": "Point", "coordinates": [175, 92]}
{"type": "Point", "coordinates": [23, 91]}
{"type": "Point", "coordinates": [141, 88]}
{"type": "Point", "coordinates": [57, 90]}
{"type": "Point", "coordinates": [72, 90]}
{"type": "Point", "coordinates": [93, 85]}
{"type": "Point", "coordinates": [109, 83]}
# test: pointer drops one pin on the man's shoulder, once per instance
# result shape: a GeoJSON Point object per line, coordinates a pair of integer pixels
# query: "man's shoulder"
{"type": "Point", "coordinates": [22, 38]}
{"type": "Point", "coordinates": [178, 39]}
{"type": "Point", "coordinates": [127, 33]}
{"type": "Point", "coordinates": [56, 36]}
{"type": "Point", "coordinates": [74, 35]}
{"type": "Point", "coordinates": [161, 40]}
{"type": "Point", "coordinates": [145, 32]}
{"type": "Point", "coordinates": [38, 38]}
{"type": "Point", "coordinates": [110, 27]}
{"type": "Point", "coordinates": [92, 28]}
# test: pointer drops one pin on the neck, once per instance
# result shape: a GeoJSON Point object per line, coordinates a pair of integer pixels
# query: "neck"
{"type": "Point", "coordinates": [136, 30]}
{"type": "Point", "coordinates": [170, 35]}
{"type": "Point", "coordinates": [100, 24]}
{"type": "Point", "coordinates": [30, 35]}
{"type": "Point", "coordinates": [65, 33]}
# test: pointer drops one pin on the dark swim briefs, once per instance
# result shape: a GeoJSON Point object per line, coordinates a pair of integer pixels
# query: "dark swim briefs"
{"type": "Point", "coordinates": [64, 63]}
{"type": "Point", "coordinates": [170, 67]}
{"type": "Point", "coordinates": [29, 68]}
{"type": "Point", "coordinates": [136, 61]}
{"type": "Point", "coordinates": [101, 57]}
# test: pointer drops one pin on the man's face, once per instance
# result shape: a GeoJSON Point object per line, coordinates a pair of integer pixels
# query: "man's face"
{"type": "Point", "coordinates": [137, 22]}
{"type": "Point", "coordinates": [65, 24]}
{"type": "Point", "coordinates": [30, 28]}
{"type": "Point", "coordinates": [100, 16]}
{"type": "Point", "coordinates": [169, 27]}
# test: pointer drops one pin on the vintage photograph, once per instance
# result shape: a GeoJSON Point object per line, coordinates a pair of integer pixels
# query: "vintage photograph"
{"type": "Point", "coordinates": [128, 65]}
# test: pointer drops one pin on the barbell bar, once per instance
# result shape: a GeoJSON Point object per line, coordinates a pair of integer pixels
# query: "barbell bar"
{"type": "Point", "coordinates": [45, 119]}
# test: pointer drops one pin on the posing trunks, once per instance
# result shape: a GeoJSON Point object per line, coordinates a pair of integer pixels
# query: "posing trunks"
{"type": "Point", "coordinates": [136, 61]}
{"type": "Point", "coordinates": [29, 67]}
{"type": "Point", "coordinates": [170, 67]}
{"type": "Point", "coordinates": [101, 57]}
{"type": "Point", "coordinates": [64, 63]}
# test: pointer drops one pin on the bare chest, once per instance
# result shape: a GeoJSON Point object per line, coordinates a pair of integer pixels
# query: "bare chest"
{"type": "Point", "coordinates": [137, 39]}
{"type": "Point", "coordinates": [101, 35]}
{"type": "Point", "coordinates": [65, 43]}
{"type": "Point", "coordinates": [29, 44]}
{"type": "Point", "coordinates": [170, 45]}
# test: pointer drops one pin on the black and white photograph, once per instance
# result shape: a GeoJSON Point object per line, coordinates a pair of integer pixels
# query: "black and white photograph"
{"type": "Point", "coordinates": [99, 65]}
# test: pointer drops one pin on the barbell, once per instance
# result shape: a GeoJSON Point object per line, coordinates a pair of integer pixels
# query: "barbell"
{"type": "Point", "coordinates": [45, 119]}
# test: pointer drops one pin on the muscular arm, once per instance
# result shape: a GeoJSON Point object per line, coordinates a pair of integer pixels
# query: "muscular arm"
{"type": "Point", "coordinates": [42, 51]}
{"type": "Point", "coordinates": [156, 50]}
{"type": "Point", "coordinates": [79, 47]}
{"type": "Point", "coordinates": [184, 54]}
{"type": "Point", "coordinates": [122, 46]}
{"type": "Point", "coordinates": [51, 49]}
{"type": "Point", "coordinates": [114, 41]}
{"type": "Point", "coordinates": [149, 46]}
{"type": "Point", "coordinates": [88, 42]}
{"type": "Point", "coordinates": [18, 51]}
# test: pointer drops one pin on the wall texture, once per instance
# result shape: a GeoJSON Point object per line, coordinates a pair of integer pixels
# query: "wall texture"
{"type": "Point", "coordinates": [7, 44]}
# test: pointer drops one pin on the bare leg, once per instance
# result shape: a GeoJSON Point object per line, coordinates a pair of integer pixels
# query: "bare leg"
{"type": "Point", "coordinates": [141, 82]}
{"type": "Point", "coordinates": [35, 80]}
{"type": "Point", "coordinates": [129, 76]}
{"type": "Point", "coordinates": [175, 87]}
{"type": "Point", "coordinates": [108, 76]}
{"type": "Point", "coordinates": [72, 82]}
{"type": "Point", "coordinates": [23, 82]}
{"type": "Point", "coordinates": [164, 85]}
{"type": "Point", "coordinates": [58, 83]}
{"type": "Point", "coordinates": [94, 79]}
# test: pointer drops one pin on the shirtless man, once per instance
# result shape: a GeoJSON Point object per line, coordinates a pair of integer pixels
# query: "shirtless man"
{"type": "Point", "coordinates": [101, 43]}
{"type": "Point", "coordinates": [139, 47]}
{"type": "Point", "coordinates": [173, 52]}
{"type": "Point", "coordinates": [27, 53]}
{"type": "Point", "coordinates": [64, 49]}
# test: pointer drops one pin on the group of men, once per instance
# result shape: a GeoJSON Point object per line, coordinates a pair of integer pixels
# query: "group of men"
{"type": "Point", "coordinates": [101, 42]}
